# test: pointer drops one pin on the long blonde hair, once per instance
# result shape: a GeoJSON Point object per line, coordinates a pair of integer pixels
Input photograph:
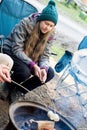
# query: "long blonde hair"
{"type": "Point", "coordinates": [36, 43]}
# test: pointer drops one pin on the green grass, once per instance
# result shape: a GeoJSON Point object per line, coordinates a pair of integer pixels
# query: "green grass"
{"type": "Point", "coordinates": [58, 50]}
{"type": "Point", "coordinates": [72, 12]}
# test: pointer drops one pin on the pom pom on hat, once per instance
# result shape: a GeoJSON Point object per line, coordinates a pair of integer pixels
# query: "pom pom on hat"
{"type": "Point", "coordinates": [49, 13]}
{"type": "Point", "coordinates": [52, 2]}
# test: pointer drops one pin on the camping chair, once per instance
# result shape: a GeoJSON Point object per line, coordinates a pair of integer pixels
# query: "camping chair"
{"type": "Point", "coordinates": [76, 67]}
{"type": "Point", "coordinates": [11, 12]}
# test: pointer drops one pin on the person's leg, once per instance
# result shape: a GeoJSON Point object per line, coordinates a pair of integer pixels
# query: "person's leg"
{"type": "Point", "coordinates": [34, 81]}
{"type": "Point", "coordinates": [21, 72]}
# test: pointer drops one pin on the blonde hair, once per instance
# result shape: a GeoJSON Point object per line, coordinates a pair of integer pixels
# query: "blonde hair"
{"type": "Point", "coordinates": [36, 43]}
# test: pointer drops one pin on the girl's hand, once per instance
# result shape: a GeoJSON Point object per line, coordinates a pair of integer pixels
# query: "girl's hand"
{"type": "Point", "coordinates": [43, 76]}
{"type": "Point", "coordinates": [37, 71]}
{"type": "Point", "coordinates": [40, 73]}
{"type": "Point", "coordinates": [4, 73]}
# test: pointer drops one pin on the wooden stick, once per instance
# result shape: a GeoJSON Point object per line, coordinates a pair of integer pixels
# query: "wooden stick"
{"type": "Point", "coordinates": [19, 85]}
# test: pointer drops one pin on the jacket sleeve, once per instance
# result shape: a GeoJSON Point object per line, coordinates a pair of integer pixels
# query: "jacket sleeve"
{"type": "Point", "coordinates": [19, 36]}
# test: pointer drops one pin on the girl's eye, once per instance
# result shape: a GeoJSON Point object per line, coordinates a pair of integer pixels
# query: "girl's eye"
{"type": "Point", "coordinates": [48, 24]}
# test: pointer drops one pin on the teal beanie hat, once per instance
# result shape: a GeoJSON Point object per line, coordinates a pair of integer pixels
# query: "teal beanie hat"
{"type": "Point", "coordinates": [49, 13]}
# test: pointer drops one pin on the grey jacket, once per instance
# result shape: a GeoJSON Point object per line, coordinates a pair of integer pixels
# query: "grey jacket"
{"type": "Point", "coordinates": [16, 40]}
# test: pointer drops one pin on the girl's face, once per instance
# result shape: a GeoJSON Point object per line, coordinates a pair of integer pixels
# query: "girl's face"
{"type": "Point", "coordinates": [46, 26]}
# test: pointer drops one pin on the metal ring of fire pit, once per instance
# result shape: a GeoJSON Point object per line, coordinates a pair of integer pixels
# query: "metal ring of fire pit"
{"type": "Point", "coordinates": [24, 110]}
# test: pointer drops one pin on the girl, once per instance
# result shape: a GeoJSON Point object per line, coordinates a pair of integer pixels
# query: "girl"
{"type": "Point", "coordinates": [29, 46]}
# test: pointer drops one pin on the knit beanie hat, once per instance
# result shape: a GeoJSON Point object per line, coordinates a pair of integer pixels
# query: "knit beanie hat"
{"type": "Point", "coordinates": [49, 13]}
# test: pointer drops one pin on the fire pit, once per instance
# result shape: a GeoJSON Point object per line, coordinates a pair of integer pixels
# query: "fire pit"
{"type": "Point", "coordinates": [22, 112]}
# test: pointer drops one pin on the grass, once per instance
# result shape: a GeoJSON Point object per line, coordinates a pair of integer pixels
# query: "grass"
{"type": "Point", "coordinates": [72, 11]}
{"type": "Point", "coordinates": [58, 50]}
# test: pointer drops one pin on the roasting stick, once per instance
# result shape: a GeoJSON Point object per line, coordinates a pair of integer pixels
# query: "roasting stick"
{"type": "Point", "coordinates": [36, 95]}
{"type": "Point", "coordinates": [19, 85]}
{"type": "Point", "coordinates": [54, 107]}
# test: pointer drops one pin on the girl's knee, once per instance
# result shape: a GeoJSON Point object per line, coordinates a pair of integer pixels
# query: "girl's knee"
{"type": "Point", "coordinates": [21, 75]}
{"type": "Point", "coordinates": [50, 74]}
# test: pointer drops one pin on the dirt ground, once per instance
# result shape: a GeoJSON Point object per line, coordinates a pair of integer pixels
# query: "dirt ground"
{"type": "Point", "coordinates": [70, 108]}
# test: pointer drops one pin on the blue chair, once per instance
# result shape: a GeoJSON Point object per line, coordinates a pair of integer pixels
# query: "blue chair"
{"type": "Point", "coordinates": [11, 12]}
{"type": "Point", "coordinates": [63, 61]}
{"type": "Point", "coordinates": [76, 66]}
{"type": "Point", "coordinates": [83, 43]}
